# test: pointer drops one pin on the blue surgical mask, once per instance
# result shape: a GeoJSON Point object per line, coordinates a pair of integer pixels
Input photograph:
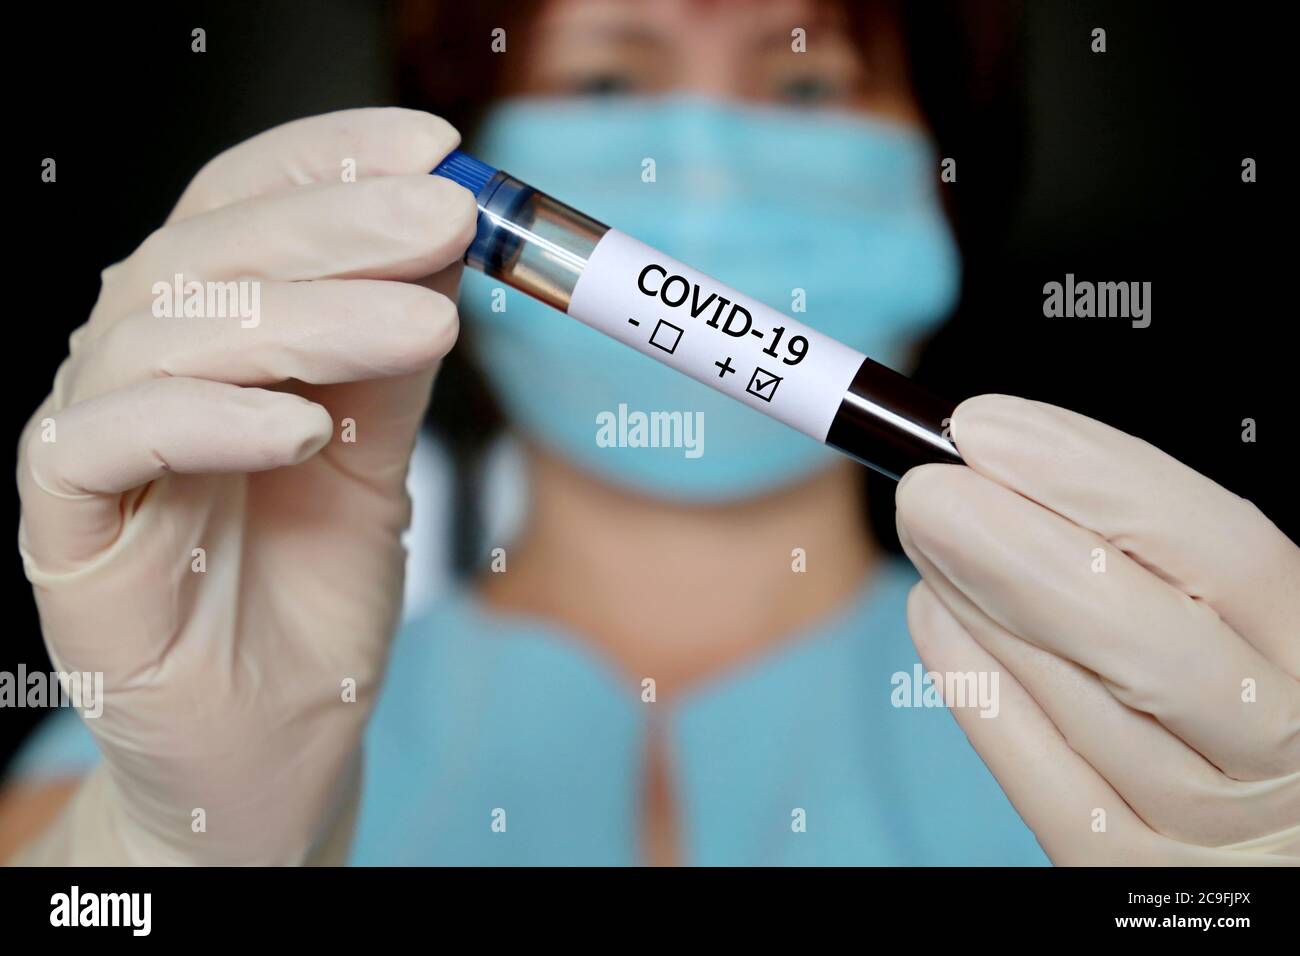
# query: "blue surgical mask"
{"type": "Point", "coordinates": [831, 217]}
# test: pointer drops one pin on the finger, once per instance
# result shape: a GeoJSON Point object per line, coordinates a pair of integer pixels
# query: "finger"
{"type": "Point", "coordinates": [76, 463]}
{"type": "Point", "coordinates": [320, 332]}
{"type": "Point", "coordinates": [383, 416]}
{"type": "Point", "coordinates": [1173, 789]}
{"type": "Point", "coordinates": [1204, 540]}
{"type": "Point", "coordinates": [396, 227]}
{"type": "Point", "coordinates": [384, 141]}
{"type": "Point", "coordinates": [1159, 651]}
{"type": "Point", "coordinates": [1076, 816]}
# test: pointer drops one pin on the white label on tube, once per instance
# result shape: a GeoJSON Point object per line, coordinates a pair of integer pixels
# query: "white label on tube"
{"type": "Point", "coordinates": [716, 335]}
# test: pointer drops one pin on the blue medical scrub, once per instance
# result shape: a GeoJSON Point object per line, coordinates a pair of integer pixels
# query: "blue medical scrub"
{"type": "Point", "coordinates": [486, 718]}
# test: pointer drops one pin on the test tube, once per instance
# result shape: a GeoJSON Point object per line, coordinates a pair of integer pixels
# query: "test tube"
{"type": "Point", "coordinates": [697, 325]}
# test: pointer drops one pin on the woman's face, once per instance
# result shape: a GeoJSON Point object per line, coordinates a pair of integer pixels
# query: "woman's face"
{"type": "Point", "coordinates": [728, 49]}
{"type": "Point", "coordinates": [775, 146]}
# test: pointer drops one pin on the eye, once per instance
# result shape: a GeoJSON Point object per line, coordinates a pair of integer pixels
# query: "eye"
{"type": "Point", "coordinates": [603, 84]}
{"type": "Point", "coordinates": [808, 89]}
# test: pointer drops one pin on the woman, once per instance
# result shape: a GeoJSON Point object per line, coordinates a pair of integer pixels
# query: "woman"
{"type": "Point", "coordinates": [678, 659]}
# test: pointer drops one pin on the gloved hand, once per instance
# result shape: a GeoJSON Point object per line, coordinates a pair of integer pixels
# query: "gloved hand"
{"type": "Point", "coordinates": [1145, 624]}
{"type": "Point", "coordinates": [229, 732]}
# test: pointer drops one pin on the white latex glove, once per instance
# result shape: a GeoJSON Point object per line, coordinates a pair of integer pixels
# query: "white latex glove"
{"type": "Point", "coordinates": [1162, 691]}
{"type": "Point", "coordinates": [225, 690]}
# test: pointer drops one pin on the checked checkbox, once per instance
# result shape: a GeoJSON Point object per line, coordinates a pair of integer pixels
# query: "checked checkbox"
{"type": "Point", "coordinates": [762, 384]}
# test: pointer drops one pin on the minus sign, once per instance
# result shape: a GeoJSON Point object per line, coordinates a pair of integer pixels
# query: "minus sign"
{"type": "Point", "coordinates": [633, 322]}
{"type": "Point", "coordinates": [756, 332]}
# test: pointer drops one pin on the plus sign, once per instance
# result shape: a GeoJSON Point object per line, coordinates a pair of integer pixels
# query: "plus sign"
{"type": "Point", "coordinates": [726, 367]}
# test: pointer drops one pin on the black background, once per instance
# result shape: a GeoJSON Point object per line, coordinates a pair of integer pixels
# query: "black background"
{"type": "Point", "coordinates": [932, 909]}
{"type": "Point", "coordinates": [1134, 175]}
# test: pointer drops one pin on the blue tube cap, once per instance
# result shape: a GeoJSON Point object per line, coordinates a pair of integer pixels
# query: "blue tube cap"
{"type": "Point", "coordinates": [462, 168]}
